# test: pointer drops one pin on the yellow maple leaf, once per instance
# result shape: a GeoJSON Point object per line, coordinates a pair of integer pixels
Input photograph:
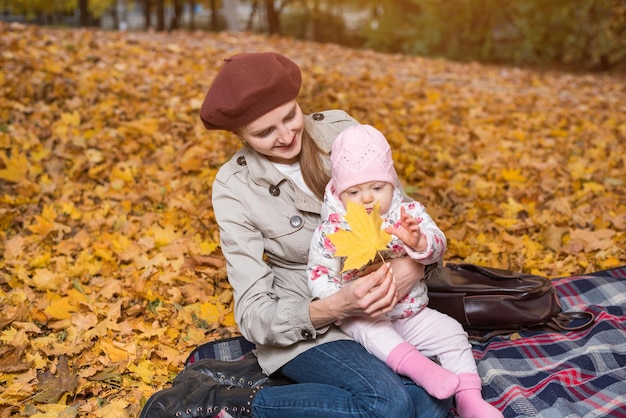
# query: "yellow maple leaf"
{"type": "Point", "coordinates": [61, 308]}
{"type": "Point", "coordinates": [46, 279]}
{"type": "Point", "coordinates": [163, 236]}
{"type": "Point", "coordinates": [147, 126]}
{"type": "Point", "coordinates": [363, 241]}
{"type": "Point", "coordinates": [113, 351]}
{"type": "Point", "coordinates": [53, 410]}
{"type": "Point", "coordinates": [513, 175]}
{"type": "Point", "coordinates": [229, 320]}
{"type": "Point", "coordinates": [193, 159]}
{"type": "Point", "coordinates": [8, 335]}
{"type": "Point", "coordinates": [45, 224]}
{"type": "Point", "coordinates": [208, 247]}
{"type": "Point", "coordinates": [114, 409]}
{"type": "Point", "coordinates": [122, 172]}
{"type": "Point", "coordinates": [194, 336]}
{"type": "Point", "coordinates": [16, 167]}
{"type": "Point", "coordinates": [144, 370]}
{"type": "Point", "coordinates": [210, 312]}
{"type": "Point", "coordinates": [41, 226]}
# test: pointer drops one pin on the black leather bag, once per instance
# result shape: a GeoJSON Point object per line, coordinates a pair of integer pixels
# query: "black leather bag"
{"type": "Point", "coordinates": [490, 301]}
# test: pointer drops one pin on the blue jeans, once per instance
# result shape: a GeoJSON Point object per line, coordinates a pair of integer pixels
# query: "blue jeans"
{"type": "Point", "coordinates": [341, 379]}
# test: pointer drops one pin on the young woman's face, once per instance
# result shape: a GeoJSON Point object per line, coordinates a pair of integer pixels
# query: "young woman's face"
{"type": "Point", "coordinates": [368, 194]}
{"type": "Point", "coordinates": [277, 134]}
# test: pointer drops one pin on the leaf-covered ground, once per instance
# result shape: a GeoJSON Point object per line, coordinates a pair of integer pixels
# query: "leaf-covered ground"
{"type": "Point", "coordinates": [110, 272]}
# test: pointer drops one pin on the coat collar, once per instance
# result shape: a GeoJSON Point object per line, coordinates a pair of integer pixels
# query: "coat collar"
{"type": "Point", "coordinates": [263, 173]}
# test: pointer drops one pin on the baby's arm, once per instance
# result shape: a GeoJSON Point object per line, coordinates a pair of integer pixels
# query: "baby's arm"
{"type": "Point", "coordinates": [423, 239]}
{"type": "Point", "coordinates": [408, 231]}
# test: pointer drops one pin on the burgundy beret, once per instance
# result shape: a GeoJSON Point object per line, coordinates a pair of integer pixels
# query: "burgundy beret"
{"type": "Point", "coordinates": [248, 86]}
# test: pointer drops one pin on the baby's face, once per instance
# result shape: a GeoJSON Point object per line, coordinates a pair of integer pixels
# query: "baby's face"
{"type": "Point", "coordinates": [368, 194]}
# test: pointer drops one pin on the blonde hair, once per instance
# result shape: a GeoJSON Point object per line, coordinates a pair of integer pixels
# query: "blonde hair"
{"type": "Point", "coordinates": [313, 171]}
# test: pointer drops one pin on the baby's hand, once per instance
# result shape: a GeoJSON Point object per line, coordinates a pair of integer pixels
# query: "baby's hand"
{"type": "Point", "coordinates": [408, 231]}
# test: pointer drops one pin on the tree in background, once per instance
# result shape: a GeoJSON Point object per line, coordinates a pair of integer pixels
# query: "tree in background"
{"type": "Point", "coordinates": [57, 12]}
{"type": "Point", "coordinates": [317, 20]}
{"type": "Point", "coordinates": [177, 7]}
{"type": "Point", "coordinates": [588, 33]}
{"type": "Point", "coordinates": [146, 6]}
{"type": "Point", "coordinates": [40, 11]}
{"type": "Point", "coordinates": [272, 10]}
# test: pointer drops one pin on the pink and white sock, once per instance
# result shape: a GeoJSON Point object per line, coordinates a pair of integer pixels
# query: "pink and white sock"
{"type": "Point", "coordinates": [405, 359]}
{"type": "Point", "coordinates": [469, 399]}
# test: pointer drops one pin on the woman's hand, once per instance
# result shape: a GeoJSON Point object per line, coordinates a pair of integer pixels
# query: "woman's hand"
{"type": "Point", "coordinates": [407, 273]}
{"type": "Point", "coordinates": [370, 296]}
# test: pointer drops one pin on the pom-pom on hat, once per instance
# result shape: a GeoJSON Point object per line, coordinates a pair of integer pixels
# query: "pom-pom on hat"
{"type": "Point", "coordinates": [361, 154]}
{"type": "Point", "coordinates": [247, 86]}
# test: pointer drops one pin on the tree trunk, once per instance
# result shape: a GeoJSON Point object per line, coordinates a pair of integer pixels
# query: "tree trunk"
{"type": "Point", "coordinates": [178, 11]}
{"type": "Point", "coordinates": [214, 12]}
{"type": "Point", "coordinates": [160, 15]}
{"type": "Point", "coordinates": [192, 15]}
{"type": "Point", "coordinates": [147, 13]}
{"type": "Point", "coordinates": [317, 21]}
{"type": "Point", "coordinates": [83, 13]}
{"type": "Point", "coordinates": [273, 18]}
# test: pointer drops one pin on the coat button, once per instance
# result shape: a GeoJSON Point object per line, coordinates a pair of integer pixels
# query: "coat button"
{"type": "Point", "coordinates": [295, 221]}
{"type": "Point", "coordinates": [318, 116]}
{"type": "Point", "coordinates": [274, 191]}
{"type": "Point", "coordinates": [241, 160]}
{"type": "Point", "coordinates": [305, 334]}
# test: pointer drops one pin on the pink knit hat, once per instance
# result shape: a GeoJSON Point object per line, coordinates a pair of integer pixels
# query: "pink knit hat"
{"type": "Point", "coordinates": [361, 154]}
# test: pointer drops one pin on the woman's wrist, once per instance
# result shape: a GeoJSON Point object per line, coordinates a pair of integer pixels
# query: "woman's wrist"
{"type": "Point", "coordinates": [318, 313]}
{"type": "Point", "coordinates": [322, 313]}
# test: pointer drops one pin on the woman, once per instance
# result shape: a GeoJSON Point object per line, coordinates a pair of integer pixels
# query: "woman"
{"type": "Point", "coordinates": [267, 202]}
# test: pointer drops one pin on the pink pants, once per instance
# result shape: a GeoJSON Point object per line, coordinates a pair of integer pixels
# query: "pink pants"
{"type": "Point", "coordinates": [433, 333]}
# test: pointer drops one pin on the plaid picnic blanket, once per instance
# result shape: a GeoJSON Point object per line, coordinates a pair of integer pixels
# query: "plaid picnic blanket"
{"type": "Point", "coordinates": [576, 374]}
{"type": "Point", "coordinates": [565, 374]}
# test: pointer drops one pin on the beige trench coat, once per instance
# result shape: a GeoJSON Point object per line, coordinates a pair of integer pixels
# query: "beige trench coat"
{"type": "Point", "coordinates": [261, 212]}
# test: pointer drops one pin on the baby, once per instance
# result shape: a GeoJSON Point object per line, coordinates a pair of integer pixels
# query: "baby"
{"type": "Point", "coordinates": [363, 172]}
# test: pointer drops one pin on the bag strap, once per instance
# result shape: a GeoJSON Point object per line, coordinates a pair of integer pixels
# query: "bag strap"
{"type": "Point", "coordinates": [483, 337]}
{"type": "Point", "coordinates": [563, 321]}
{"type": "Point", "coordinates": [560, 322]}
{"type": "Point", "coordinates": [492, 273]}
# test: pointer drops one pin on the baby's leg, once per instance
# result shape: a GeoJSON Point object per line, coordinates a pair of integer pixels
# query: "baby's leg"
{"type": "Point", "coordinates": [438, 335]}
{"type": "Point", "coordinates": [444, 337]}
{"type": "Point", "coordinates": [381, 339]}
{"type": "Point", "coordinates": [469, 399]}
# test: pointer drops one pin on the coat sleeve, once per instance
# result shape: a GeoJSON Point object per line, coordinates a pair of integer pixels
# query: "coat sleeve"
{"type": "Point", "coordinates": [263, 315]}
